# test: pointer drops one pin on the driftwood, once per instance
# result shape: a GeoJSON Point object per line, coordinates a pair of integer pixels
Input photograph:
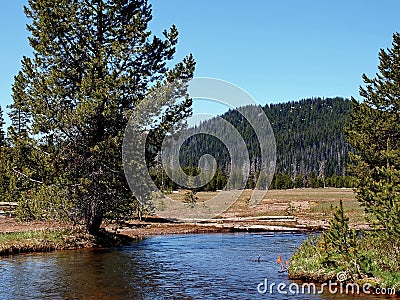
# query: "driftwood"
{"type": "Point", "coordinates": [8, 208]}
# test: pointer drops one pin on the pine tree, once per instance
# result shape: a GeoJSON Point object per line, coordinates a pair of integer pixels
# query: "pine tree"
{"type": "Point", "coordinates": [374, 133]}
{"type": "Point", "coordinates": [93, 62]}
{"type": "Point", "coordinates": [19, 116]}
{"type": "Point", "coordinates": [4, 179]}
{"type": "Point", "coordinates": [340, 242]}
{"type": "Point", "coordinates": [339, 235]}
{"type": "Point", "coordinates": [190, 198]}
{"type": "Point", "coordinates": [2, 133]}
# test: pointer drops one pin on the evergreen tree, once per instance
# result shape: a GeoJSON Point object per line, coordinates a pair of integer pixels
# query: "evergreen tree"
{"type": "Point", "coordinates": [19, 115]}
{"type": "Point", "coordinates": [2, 133]}
{"type": "Point", "coordinates": [299, 181]}
{"type": "Point", "coordinates": [4, 166]}
{"type": "Point", "coordinates": [339, 235]}
{"type": "Point", "coordinates": [374, 133]}
{"type": "Point", "coordinates": [190, 198]}
{"type": "Point", "coordinates": [93, 62]}
{"type": "Point", "coordinates": [340, 242]}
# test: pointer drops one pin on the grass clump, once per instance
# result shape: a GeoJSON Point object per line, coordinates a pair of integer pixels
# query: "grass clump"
{"type": "Point", "coordinates": [43, 240]}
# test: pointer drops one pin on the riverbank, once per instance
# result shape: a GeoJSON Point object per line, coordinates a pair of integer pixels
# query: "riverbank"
{"type": "Point", "coordinates": [297, 210]}
{"type": "Point", "coordinates": [44, 240]}
{"type": "Point", "coordinates": [374, 264]}
{"type": "Point", "coordinates": [23, 237]}
{"type": "Point", "coordinates": [51, 239]}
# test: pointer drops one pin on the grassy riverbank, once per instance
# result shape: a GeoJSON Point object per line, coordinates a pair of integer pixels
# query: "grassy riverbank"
{"type": "Point", "coordinates": [44, 240]}
{"type": "Point", "coordinates": [56, 239]}
{"type": "Point", "coordinates": [310, 208]}
{"type": "Point", "coordinates": [375, 261]}
{"type": "Point", "coordinates": [348, 255]}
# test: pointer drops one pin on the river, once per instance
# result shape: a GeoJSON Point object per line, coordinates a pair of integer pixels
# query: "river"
{"type": "Point", "coordinates": [202, 266]}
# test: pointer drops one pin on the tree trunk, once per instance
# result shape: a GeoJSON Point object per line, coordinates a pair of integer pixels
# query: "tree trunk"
{"type": "Point", "coordinates": [94, 217]}
{"type": "Point", "coordinates": [93, 224]}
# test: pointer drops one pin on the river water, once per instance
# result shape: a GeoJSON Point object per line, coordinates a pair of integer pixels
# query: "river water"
{"type": "Point", "coordinates": [203, 266]}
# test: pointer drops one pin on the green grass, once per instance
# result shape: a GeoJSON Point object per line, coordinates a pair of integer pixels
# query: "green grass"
{"type": "Point", "coordinates": [7, 238]}
{"type": "Point", "coordinates": [43, 240]}
{"type": "Point", "coordinates": [307, 262]}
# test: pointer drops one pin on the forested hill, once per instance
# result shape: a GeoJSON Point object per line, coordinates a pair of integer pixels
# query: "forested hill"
{"type": "Point", "coordinates": [309, 135]}
{"type": "Point", "coordinates": [309, 138]}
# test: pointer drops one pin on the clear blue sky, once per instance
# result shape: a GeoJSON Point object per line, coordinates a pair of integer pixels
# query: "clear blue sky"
{"type": "Point", "coordinates": [275, 50]}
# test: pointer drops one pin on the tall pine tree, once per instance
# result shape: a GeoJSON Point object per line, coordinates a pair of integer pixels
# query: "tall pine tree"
{"type": "Point", "coordinates": [2, 133]}
{"type": "Point", "coordinates": [93, 62]}
{"type": "Point", "coordinates": [374, 133]}
{"type": "Point", "coordinates": [4, 182]}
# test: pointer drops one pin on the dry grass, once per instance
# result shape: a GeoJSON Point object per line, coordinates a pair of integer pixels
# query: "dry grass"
{"type": "Point", "coordinates": [308, 205]}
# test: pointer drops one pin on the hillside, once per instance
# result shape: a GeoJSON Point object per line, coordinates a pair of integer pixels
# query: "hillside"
{"type": "Point", "coordinates": [310, 143]}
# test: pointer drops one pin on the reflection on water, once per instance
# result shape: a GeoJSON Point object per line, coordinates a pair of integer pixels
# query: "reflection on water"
{"type": "Point", "coordinates": [209, 266]}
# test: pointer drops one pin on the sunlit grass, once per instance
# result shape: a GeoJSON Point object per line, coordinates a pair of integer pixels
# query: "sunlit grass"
{"type": "Point", "coordinates": [352, 208]}
{"type": "Point", "coordinates": [42, 240]}
{"type": "Point", "coordinates": [312, 204]}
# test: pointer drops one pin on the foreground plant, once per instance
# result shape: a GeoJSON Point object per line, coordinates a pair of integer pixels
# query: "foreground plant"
{"type": "Point", "coordinates": [374, 134]}
{"type": "Point", "coordinates": [93, 62]}
{"type": "Point", "coordinates": [361, 256]}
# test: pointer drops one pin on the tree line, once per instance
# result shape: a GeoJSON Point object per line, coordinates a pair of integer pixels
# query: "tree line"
{"type": "Point", "coordinates": [311, 147]}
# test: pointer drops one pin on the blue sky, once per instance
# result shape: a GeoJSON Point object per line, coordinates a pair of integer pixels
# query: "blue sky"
{"type": "Point", "coordinates": [275, 50]}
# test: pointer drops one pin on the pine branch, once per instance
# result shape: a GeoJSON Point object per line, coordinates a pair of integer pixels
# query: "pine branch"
{"type": "Point", "coordinates": [26, 176]}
